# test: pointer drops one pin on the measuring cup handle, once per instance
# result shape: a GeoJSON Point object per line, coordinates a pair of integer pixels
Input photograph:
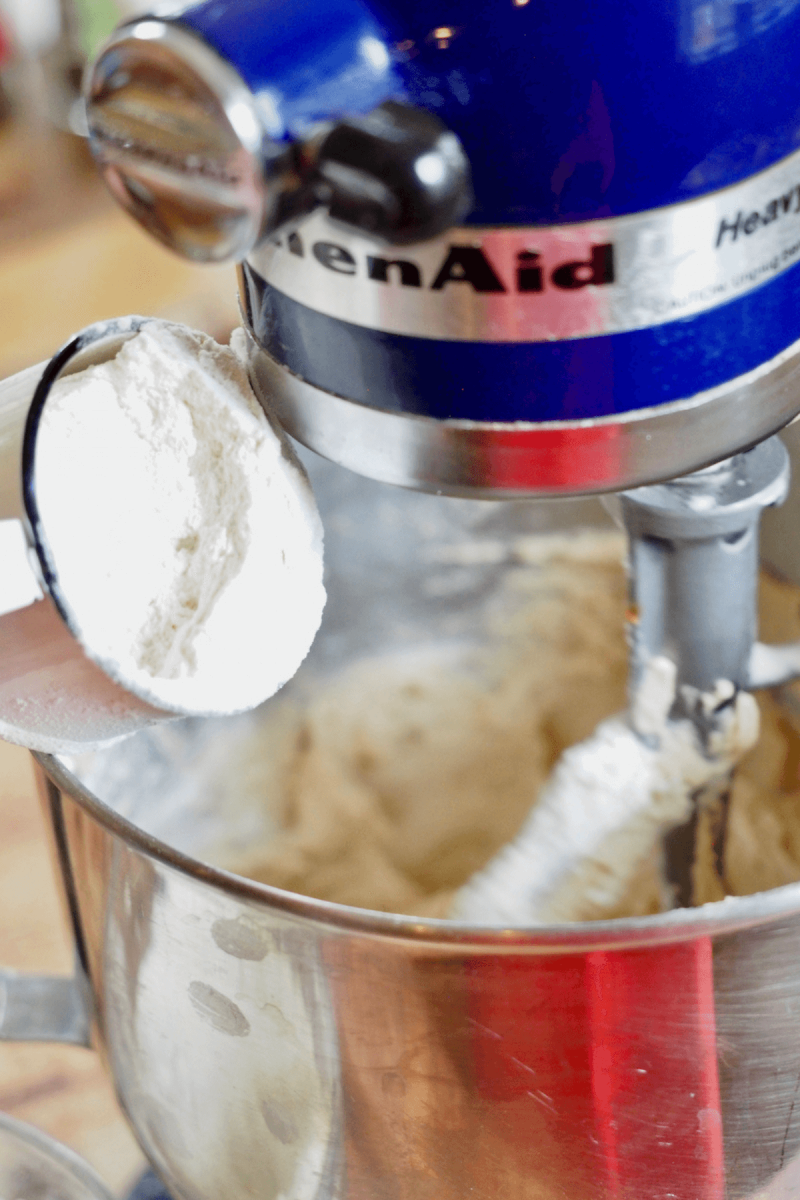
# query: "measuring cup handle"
{"type": "Point", "coordinates": [16, 394]}
{"type": "Point", "coordinates": [43, 1008]}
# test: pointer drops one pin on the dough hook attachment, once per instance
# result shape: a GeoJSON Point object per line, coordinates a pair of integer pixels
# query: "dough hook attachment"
{"type": "Point", "coordinates": [694, 573]}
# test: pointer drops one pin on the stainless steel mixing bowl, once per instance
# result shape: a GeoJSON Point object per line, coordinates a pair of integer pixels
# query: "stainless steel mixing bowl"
{"type": "Point", "coordinates": [35, 1167]}
{"type": "Point", "coordinates": [266, 1045]}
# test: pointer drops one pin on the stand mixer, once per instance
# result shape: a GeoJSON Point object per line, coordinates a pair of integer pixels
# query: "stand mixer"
{"type": "Point", "coordinates": [620, 307]}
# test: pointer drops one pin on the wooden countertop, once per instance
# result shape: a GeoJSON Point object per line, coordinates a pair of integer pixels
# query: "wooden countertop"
{"type": "Point", "coordinates": [69, 257]}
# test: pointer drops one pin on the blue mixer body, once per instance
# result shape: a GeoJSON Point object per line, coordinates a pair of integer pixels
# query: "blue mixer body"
{"type": "Point", "coordinates": [568, 113]}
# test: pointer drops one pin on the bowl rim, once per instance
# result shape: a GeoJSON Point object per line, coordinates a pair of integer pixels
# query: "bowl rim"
{"type": "Point", "coordinates": [437, 934]}
{"type": "Point", "coordinates": [55, 1152]}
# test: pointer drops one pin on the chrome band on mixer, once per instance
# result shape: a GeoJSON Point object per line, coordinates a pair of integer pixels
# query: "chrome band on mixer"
{"type": "Point", "coordinates": [471, 458]}
{"type": "Point", "coordinates": [545, 283]}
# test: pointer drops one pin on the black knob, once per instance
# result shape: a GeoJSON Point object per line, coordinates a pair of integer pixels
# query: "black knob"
{"type": "Point", "coordinates": [397, 173]}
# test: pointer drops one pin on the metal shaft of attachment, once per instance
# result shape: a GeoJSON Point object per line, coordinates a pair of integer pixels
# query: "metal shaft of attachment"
{"type": "Point", "coordinates": [694, 579]}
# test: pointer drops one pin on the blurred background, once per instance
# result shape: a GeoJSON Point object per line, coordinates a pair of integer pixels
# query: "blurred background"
{"type": "Point", "coordinates": [68, 257]}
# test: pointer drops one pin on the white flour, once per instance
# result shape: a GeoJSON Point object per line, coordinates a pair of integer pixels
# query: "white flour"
{"type": "Point", "coordinates": [185, 538]}
{"type": "Point", "coordinates": [606, 806]}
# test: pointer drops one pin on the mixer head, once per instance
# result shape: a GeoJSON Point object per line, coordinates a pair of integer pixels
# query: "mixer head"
{"type": "Point", "coordinates": [619, 304]}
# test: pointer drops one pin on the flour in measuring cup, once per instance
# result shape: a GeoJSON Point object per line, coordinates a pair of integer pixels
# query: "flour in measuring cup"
{"type": "Point", "coordinates": [183, 534]}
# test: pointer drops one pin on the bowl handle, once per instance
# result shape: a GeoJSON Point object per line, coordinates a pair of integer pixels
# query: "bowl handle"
{"type": "Point", "coordinates": [43, 1008]}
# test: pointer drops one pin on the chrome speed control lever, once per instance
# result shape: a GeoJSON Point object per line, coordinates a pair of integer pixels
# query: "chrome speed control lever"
{"type": "Point", "coordinates": [204, 164]}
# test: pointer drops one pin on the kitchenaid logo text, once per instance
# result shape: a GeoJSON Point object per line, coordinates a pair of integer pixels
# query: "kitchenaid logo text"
{"type": "Point", "coordinates": [746, 223]}
{"type": "Point", "coordinates": [465, 264]}
{"type": "Point", "coordinates": [549, 283]}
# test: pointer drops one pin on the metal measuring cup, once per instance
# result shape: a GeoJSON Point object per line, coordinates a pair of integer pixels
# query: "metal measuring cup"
{"type": "Point", "coordinates": [53, 696]}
